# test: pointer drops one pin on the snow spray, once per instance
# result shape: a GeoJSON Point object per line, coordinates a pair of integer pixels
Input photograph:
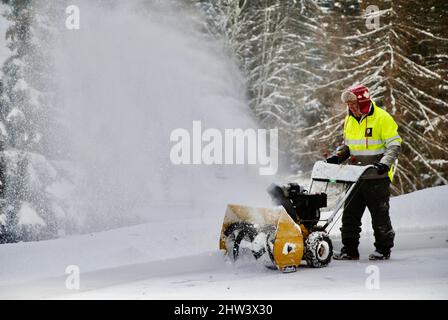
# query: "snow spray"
{"type": "Point", "coordinates": [129, 74]}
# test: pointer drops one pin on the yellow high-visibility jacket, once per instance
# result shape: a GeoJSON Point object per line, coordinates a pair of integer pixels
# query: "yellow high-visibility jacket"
{"type": "Point", "coordinates": [370, 140]}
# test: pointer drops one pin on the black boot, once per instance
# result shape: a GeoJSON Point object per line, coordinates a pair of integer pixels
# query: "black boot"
{"type": "Point", "coordinates": [347, 254]}
{"type": "Point", "coordinates": [380, 255]}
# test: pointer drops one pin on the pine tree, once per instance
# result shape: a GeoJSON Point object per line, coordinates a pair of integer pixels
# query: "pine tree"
{"type": "Point", "coordinates": [28, 208]}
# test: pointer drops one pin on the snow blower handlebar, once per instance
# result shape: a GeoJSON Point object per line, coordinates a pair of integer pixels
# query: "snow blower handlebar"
{"type": "Point", "coordinates": [343, 174]}
{"type": "Point", "coordinates": [304, 206]}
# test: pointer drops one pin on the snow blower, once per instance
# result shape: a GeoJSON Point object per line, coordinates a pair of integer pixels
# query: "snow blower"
{"type": "Point", "coordinates": [281, 236]}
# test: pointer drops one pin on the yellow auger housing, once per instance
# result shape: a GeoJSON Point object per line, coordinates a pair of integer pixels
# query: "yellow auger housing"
{"type": "Point", "coordinates": [269, 233]}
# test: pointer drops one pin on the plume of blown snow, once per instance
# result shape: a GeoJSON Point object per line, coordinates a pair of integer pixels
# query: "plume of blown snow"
{"type": "Point", "coordinates": [131, 74]}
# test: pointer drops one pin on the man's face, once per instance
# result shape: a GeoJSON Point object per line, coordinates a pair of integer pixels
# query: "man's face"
{"type": "Point", "coordinates": [354, 108]}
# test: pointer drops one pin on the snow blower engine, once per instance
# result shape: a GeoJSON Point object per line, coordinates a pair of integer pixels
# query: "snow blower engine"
{"type": "Point", "coordinates": [302, 207]}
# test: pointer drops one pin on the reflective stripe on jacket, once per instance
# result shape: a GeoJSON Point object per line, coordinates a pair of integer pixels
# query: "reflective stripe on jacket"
{"type": "Point", "coordinates": [369, 138]}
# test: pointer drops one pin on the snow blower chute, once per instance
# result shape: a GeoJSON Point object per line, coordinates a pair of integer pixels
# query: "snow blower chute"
{"type": "Point", "coordinates": [281, 236]}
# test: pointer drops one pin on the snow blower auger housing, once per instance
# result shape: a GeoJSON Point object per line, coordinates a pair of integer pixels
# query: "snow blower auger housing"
{"type": "Point", "coordinates": [281, 236]}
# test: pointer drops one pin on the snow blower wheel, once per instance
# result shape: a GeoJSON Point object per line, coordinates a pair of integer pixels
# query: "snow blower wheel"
{"type": "Point", "coordinates": [318, 249]}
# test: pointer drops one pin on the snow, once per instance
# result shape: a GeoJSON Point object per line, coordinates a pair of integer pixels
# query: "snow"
{"type": "Point", "coordinates": [60, 189]}
{"type": "Point", "coordinates": [3, 132]}
{"type": "Point", "coordinates": [28, 216]}
{"type": "Point", "coordinates": [4, 51]}
{"type": "Point", "coordinates": [225, 283]}
{"type": "Point", "coordinates": [179, 259]}
{"type": "Point", "coordinates": [108, 111]}
{"type": "Point", "coordinates": [333, 172]}
{"type": "Point", "coordinates": [15, 115]}
{"type": "Point", "coordinates": [21, 85]}
{"type": "Point", "coordinates": [427, 210]}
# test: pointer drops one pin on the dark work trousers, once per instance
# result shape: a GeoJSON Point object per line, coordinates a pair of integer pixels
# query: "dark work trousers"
{"type": "Point", "coordinates": [373, 193]}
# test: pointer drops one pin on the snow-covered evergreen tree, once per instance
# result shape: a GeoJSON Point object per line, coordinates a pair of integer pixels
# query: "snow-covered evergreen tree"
{"type": "Point", "coordinates": [29, 207]}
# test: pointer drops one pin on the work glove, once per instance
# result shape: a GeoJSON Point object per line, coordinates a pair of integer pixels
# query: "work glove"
{"type": "Point", "coordinates": [333, 159]}
{"type": "Point", "coordinates": [381, 168]}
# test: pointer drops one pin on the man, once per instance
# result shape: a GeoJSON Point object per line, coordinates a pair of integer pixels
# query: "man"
{"type": "Point", "coordinates": [370, 137]}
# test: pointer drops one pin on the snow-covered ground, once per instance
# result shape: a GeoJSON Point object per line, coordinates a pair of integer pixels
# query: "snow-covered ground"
{"type": "Point", "coordinates": [179, 259]}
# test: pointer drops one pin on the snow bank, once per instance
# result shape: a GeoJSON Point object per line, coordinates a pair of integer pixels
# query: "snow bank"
{"type": "Point", "coordinates": [142, 243]}
{"type": "Point", "coordinates": [420, 210]}
{"type": "Point", "coordinates": [427, 208]}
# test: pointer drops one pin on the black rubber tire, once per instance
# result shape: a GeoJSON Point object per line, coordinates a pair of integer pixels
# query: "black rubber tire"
{"type": "Point", "coordinates": [318, 249]}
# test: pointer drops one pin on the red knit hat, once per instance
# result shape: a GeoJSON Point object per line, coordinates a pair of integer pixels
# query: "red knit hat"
{"type": "Point", "coordinates": [360, 94]}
